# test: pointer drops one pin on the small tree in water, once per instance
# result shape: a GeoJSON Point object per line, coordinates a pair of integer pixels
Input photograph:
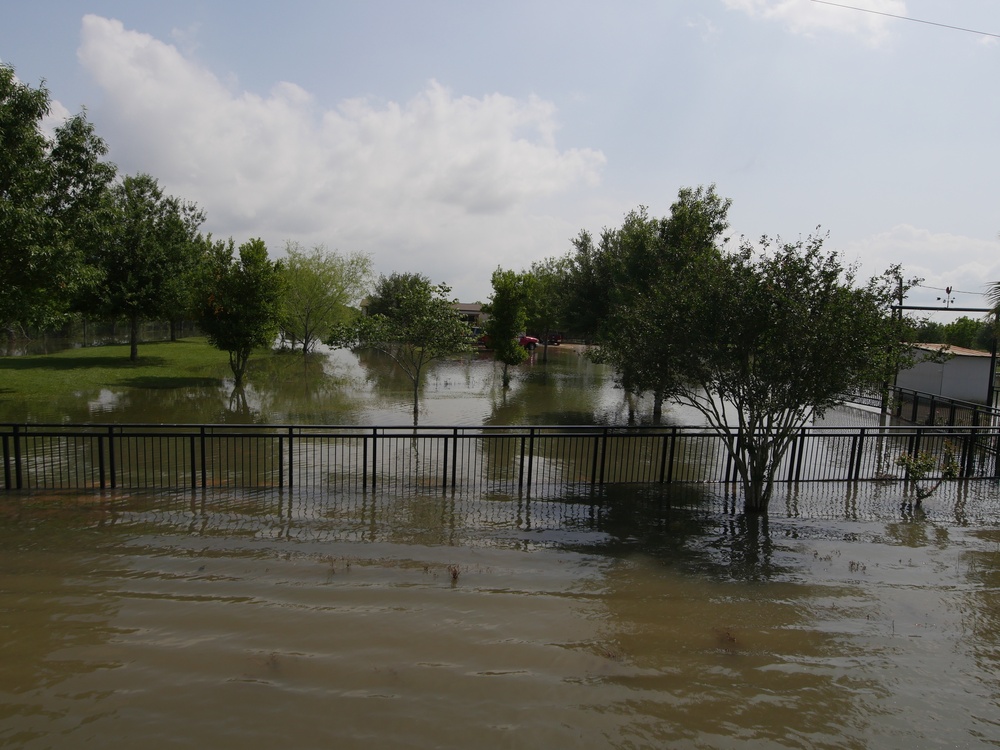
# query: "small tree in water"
{"type": "Point", "coordinates": [507, 310]}
{"type": "Point", "coordinates": [410, 320]}
{"type": "Point", "coordinates": [240, 301]}
{"type": "Point", "coordinates": [919, 465]}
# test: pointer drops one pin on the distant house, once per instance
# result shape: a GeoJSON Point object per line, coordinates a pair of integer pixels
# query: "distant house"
{"type": "Point", "coordinates": [963, 376]}
{"type": "Point", "coordinates": [471, 312]}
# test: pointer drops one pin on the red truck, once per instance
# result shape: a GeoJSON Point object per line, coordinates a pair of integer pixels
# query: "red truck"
{"type": "Point", "coordinates": [528, 342]}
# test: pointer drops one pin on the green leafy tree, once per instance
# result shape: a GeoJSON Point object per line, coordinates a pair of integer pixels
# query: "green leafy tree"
{"type": "Point", "coordinates": [410, 320]}
{"type": "Point", "coordinates": [650, 256]}
{"type": "Point", "coordinates": [145, 264]}
{"type": "Point", "coordinates": [759, 340]}
{"type": "Point", "coordinates": [50, 193]}
{"type": "Point", "coordinates": [964, 331]}
{"type": "Point", "coordinates": [927, 332]}
{"type": "Point", "coordinates": [507, 311]}
{"type": "Point", "coordinates": [240, 301]}
{"type": "Point", "coordinates": [321, 287]}
{"type": "Point", "coordinates": [767, 338]}
{"type": "Point", "coordinates": [548, 303]}
{"type": "Point", "coordinates": [588, 291]}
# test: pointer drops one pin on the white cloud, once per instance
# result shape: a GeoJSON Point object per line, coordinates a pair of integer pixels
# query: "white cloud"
{"type": "Point", "coordinates": [809, 18]}
{"type": "Point", "coordinates": [969, 264]}
{"type": "Point", "coordinates": [440, 184]}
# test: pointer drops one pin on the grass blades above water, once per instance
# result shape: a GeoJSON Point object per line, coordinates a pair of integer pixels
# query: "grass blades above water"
{"type": "Point", "coordinates": [163, 364]}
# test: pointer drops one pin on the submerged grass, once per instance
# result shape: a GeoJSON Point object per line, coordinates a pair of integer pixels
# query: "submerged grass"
{"type": "Point", "coordinates": [164, 364]}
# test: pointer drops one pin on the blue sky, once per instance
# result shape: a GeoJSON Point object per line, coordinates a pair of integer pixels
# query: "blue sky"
{"type": "Point", "coordinates": [450, 138]}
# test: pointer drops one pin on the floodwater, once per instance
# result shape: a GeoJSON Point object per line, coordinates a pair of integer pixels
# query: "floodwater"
{"type": "Point", "coordinates": [849, 619]}
{"type": "Point", "coordinates": [246, 621]}
{"type": "Point", "coordinates": [342, 388]}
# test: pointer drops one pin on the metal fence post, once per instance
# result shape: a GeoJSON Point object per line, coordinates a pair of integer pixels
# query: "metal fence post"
{"type": "Point", "coordinates": [802, 448]}
{"type": "Point", "coordinates": [204, 458]}
{"type": "Point", "coordinates": [593, 462]}
{"type": "Point", "coordinates": [520, 467]}
{"type": "Point", "coordinates": [193, 454]}
{"type": "Point", "coordinates": [531, 455]}
{"type": "Point", "coordinates": [374, 457]}
{"type": "Point", "coordinates": [604, 453]}
{"type": "Point", "coordinates": [18, 475]}
{"type": "Point", "coordinates": [112, 457]}
{"type": "Point", "coordinates": [291, 458]}
{"type": "Point", "coordinates": [444, 469]}
{"type": "Point", "coordinates": [281, 461]}
{"type": "Point", "coordinates": [792, 456]}
{"type": "Point", "coordinates": [861, 452]}
{"type": "Point", "coordinates": [100, 462]}
{"type": "Point", "coordinates": [6, 462]}
{"type": "Point", "coordinates": [663, 458]}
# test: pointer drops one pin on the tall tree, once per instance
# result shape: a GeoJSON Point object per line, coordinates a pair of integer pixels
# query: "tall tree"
{"type": "Point", "coordinates": [648, 256]}
{"type": "Point", "coordinates": [320, 288]}
{"type": "Point", "coordinates": [759, 340]}
{"type": "Point", "coordinates": [507, 311]}
{"type": "Point", "coordinates": [413, 322]}
{"type": "Point", "coordinates": [240, 301]}
{"type": "Point", "coordinates": [547, 304]}
{"type": "Point", "coordinates": [764, 339]}
{"type": "Point", "coordinates": [148, 255]}
{"type": "Point", "coordinates": [50, 191]}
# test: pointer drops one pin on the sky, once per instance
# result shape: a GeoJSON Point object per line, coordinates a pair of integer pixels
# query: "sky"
{"type": "Point", "coordinates": [449, 138]}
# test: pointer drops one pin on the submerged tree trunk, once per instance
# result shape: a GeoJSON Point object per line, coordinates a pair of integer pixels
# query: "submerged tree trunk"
{"type": "Point", "coordinates": [238, 360]}
{"type": "Point", "coordinates": [757, 465]}
{"type": "Point", "coordinates": [416, 399]}
{"type": "Point", "coordinates": [657, 408]}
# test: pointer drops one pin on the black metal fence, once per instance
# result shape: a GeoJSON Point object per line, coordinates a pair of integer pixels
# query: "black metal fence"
{"type": "Point", "coordinates": [918, 407]}
{"type": "Point", "coordinates": [529, 459]}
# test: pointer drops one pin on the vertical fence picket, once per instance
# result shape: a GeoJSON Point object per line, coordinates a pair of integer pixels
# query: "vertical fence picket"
{"type": "Point", "coordinates": [6, 462]}
{"type": "Point", "coordinates": [374, 457]}
{"type": "Point", "coordinates": [18, 472]}
{"type": "Point", "coordinates": [531, 456]}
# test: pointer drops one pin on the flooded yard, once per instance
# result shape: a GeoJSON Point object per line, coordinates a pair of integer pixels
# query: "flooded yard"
{"type": "Point", "coordinates": [621, 619]}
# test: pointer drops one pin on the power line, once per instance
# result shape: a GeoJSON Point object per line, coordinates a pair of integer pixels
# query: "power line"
{"type": "Point", "coordinates": [906, 18]}
{"type": "Point", "coordinates": [945, 289]}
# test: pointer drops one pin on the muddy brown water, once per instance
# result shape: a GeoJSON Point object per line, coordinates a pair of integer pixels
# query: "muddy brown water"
{"type": "Point", "coordinates": [618, 620]}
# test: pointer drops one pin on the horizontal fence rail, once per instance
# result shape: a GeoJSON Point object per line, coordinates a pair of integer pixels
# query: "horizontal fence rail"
{"type": "Point", "coordinates": [489, 459]}
{"type": "Point", "coordinates": [918, 407]}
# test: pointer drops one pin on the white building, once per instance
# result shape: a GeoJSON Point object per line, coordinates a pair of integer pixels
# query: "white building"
{"type": "Point", "coordinates": [964, 375]}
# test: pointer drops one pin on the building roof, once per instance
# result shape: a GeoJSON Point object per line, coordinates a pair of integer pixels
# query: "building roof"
{"type": "Point", "coordinates": [957, 351]}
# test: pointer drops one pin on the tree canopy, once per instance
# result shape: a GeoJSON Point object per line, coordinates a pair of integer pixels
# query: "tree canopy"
{"type": "Point", "coordinates": [507, 311]}
{"type": "Point", "coordinates": [147, 257]}
{"type": "Point", "coordinates": [759, 340]}
{"type": "Point", "coordinates": [50, 193]}
{"type": "Point", "coordinates": [547, 304]}
{"type": "Point", "coordinates": [240, 300]}
{"type": "Point", "coordinates": [320, 288]}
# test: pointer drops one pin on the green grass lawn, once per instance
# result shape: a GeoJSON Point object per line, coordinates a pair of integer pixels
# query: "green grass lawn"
{"type": "Point", "coordinates": [164, 364]}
